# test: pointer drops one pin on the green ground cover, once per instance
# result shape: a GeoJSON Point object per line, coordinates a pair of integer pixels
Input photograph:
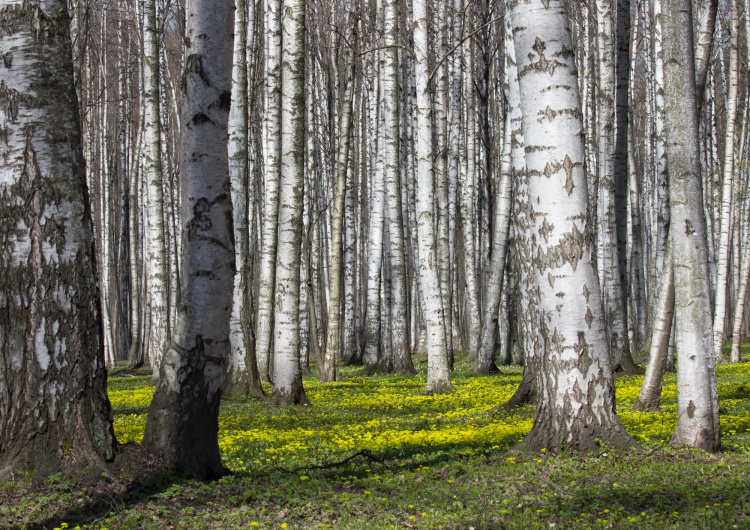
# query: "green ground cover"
{"type": "Point", "coordinates": [389, 457]}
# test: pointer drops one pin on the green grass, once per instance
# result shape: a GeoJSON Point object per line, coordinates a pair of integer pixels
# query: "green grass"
{"type": "Point", "coordinates": [421, 462]}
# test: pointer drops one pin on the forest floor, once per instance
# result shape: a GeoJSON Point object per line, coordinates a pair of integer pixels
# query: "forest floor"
{"type": "Point", "coordinates": [373, 452]}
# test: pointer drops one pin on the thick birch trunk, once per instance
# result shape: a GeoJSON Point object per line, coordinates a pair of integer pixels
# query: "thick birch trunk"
{"type": "Point", "coordinates": [183, 420]}
{"type": "Point", "coordinates": [54, 409]}
{"type": "Point", "coordinates": [697, 398]}
{"type": "Point", "coordinates": [576, 399]}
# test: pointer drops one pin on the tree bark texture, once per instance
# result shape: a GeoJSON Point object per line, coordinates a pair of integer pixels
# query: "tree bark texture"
{"type": "Point", "coordinates": [575, 387]}
{"type": "Point", "coordinates": [183, 421]}
{"type": "Point", "coordinates": [54, 409]}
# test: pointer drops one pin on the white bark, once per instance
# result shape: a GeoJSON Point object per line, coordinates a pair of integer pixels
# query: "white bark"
{"type": "Point", "coordinates": [438, 371]}
{"type": "Point", "coordinates": [722, 254]}
{"type": "Point", "coordinates": [287, 378]}
{"type": "Point", "coordinates": [697, 397]}
{"type": "Point", "coordinates": [156, 264]}
{"type": "Point", "coordinates": [576, 402]}
{"type": "Point", "coordinates": [272, 160]}
{"type": "Point", "coordinates": [53, 393]}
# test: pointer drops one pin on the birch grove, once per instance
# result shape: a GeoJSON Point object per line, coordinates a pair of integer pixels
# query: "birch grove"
{"type": "Point", "coordinates": [253, 193]}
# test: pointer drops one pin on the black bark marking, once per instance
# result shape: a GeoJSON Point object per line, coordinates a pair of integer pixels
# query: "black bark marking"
{"type": "Point", "coordinates": [689, 227]}
{"type": "Point", "coordinates": [586, 292]}
{"type": "Point", "coordinates": [589, 317]}
{"type": "Point", "coordinates": [193, 66]}
{"type": "Point", "coordinates": [199, 119]}
{"type": "Point", "coordinates": [225, 100]}
{"type": "Point", "coordinates": [201, 220]}
{"type": "Point", "coordinates": [8, 60]}
{"type": "Point", "coordinates": [691, 409]}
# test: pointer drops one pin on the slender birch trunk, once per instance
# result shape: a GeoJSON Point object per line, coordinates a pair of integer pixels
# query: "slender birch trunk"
{"type": "Point", "coordinates": [156, 263]}
{"type": "Point", "coordinates": [392, 161]}
{"type": "Point", "coordinates": [501, 225]}
{"type": "Point", "coordinates": [334, 353]}
{"type": "Point", "coordinates": [722, 258]}
{"type": "Point", "coordinates": [242, 376]}
{"type": "Point", "coordinates": [272, 160]}
{"type": "Point", "coordinates": [650, 394]}
{"type": "Point", "coordinates": [287, 377]}
{"type": "Point", "coordinates": [438, 367]}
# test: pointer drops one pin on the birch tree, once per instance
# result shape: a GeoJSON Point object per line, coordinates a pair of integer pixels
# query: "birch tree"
{"type": "Point", "coordinates": [156, 263]}
{"type": "Point", "coordinates": [438, 370]}
{"type": "Point", "coordinates": [54, 407]}
{"type": "Point", "coordinates": [287, 378]}
{"type": "Point", "coordinates": [400, 341]}
{"type": "Point", "coordinates": [575, 387]}
{"type": "Point", "coordinates": [697, 395]}
{"type": "Point", "coordinates": [272, 171]}
{"type": "Point", "coordinates": [242, 376]}
{"type": "Point", "coordinates": [183, 420]}
{"type": "Point", "coordinates": [722, 258]}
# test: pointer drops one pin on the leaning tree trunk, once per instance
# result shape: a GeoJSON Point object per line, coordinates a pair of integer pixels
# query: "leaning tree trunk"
{"type": "Point", "coordinates": [287, 377]}
{"type": "Point", "coordinates": [575, 387]}
{"type": "Point", "coordinates": [438, 368]}
{"type": "Point", "coordinates": [183, 421]}
{"type": "Point", "coordinates": [697, 396]}
{"type": "Point", "coordinates": [650, 394]}
{"type": "Point", "coordinates": [54, 409]}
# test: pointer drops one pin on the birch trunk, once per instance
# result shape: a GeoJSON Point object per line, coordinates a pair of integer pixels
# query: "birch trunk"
{"type": "Point", "coordinates": [272, 161]}
{"type": "Point", "coordinates": [242, 376]}
{"type": "Point", "coordinates": [576, 399]}
{"type": "Point", "coordinates": [400, 341]}
{"type": "Point", "coordinates": [697, 399]}
{"type": "Point", "coordinates": [287, 377]}
{"type": "Point", "coordinates": [501, 226]}
{"type": "Point", "coordinates": [183, 420]}
{"type": "Point", "coordinates": [156, 264]}
{"type": "Point", "coordinates": [650, 394]}
{"type": "Point", "coordinates": [722, 257]}
{"type": "Point", "coordinates": [609, 264]}
{"type": "Point", "coordinates": [54, 409]}
{"type": "Point", "coordinates": [334, 353]}
{"type": "Point", "coordinates": [438, 362]}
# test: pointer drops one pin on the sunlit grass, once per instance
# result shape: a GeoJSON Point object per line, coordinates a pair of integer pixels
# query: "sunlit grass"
{"type": "Point", "coordinates": [388, 414]}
